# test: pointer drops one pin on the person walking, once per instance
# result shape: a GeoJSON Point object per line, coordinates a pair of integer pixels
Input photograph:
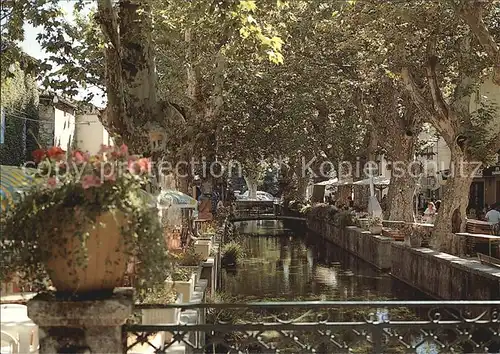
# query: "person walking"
{"type": "Point", "coordinates": [430, 213]}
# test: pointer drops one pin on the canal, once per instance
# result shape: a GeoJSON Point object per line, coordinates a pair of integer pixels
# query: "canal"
{"type": "Point", "coordinates": [287, 265]}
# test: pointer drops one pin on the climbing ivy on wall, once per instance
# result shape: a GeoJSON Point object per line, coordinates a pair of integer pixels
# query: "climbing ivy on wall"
{"type": "Point", "coordinates": [19, 99]}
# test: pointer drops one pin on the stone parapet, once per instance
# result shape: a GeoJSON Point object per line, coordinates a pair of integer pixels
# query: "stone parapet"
{"type": "Point", "coordinates": [81, 326]}
{"type": "Point", "coordinates": [443, 275]}
{"type": "Point", "coordinates": [371, 248]}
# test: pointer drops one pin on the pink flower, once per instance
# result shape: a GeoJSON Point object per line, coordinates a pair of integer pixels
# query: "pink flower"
{"type": "Point", "coordinates": [56, 153]}
{"type": "Point", "coordinates": [139, 166]}
{"type": "Point", "coordinates": [105, 148]}
{"type": "Point", "coordinates": [52, 181]}
{"type": "Point", "coordinates": [124, 150]}
{"type": "Point", "coordinates": [38, 155]}
{"type": "Point", "coordinates": [89, 181]}
{"type": "Point", "coordinates": [79, 157]}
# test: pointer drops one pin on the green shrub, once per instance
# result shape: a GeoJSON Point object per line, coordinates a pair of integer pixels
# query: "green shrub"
{"type": "Point", "coordinates": [160, 295]}
{"type": "Point", "coordinates": [188, 258]}
{"type": "Point", "coordinates": [181, 274]}
{"type": "Point", "coordinates": [232, 253]}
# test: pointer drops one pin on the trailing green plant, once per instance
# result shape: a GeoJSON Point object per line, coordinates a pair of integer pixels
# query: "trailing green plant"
{"type": "Point", "coordinates": [232, 253]}
{"type": "Point", "coordinates": [72, 191]}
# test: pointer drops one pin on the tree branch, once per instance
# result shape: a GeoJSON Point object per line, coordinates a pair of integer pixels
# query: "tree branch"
{"type": "Point", "coordinates": [416, 93]}
{"type": "Point", "coordinates": [443, 126]}
{"type": "Point", "coordinates": [437, 97]}
{"type": "Point", "coordinates": [471, 12]}
{"type": "Point", "coordinates": [494, 144]}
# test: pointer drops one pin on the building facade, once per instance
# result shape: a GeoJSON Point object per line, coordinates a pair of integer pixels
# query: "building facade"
{"type": "Point", "coordinates": [436, 156]}
{"type": "Point", "coordinates": [90, 133]}
{"type": "Point", "coordinates": [57, 121]}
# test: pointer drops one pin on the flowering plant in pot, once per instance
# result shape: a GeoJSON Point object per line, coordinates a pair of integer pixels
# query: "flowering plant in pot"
{"type": "Point", "coordinates": [81, 224]}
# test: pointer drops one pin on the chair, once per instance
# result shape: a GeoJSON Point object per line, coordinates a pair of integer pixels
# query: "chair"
{"type": "Point", "coordinates": [10, 345]}
{"type": "Point", "coordinates": [16, 323]}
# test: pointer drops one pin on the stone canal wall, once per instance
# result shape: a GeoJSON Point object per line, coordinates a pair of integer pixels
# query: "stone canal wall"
{"type": "Point", "coordinates": [375, 250]}
{"type": "Point", "coordinates": [443, 275]}
{"type": "Point", "coordinates": [437, 274]}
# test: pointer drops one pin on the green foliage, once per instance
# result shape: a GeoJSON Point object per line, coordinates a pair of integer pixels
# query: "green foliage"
{"type": "Point", "coordinates": [187, 258]}
{"type": "Point", "coordinates": [181, 274]}
{"type": "Point", "coordinates": [232, 253]}
{"type": "Point", "coordinates": [19, 99]}
{"type": "Point", "coordinates": [67, 202]}
{"type": "Point", "coordinates": [329, 213]}
{"type": "Point", "coordinates": [159, 295]}
{"type": "Point", "coordinates": [374, 221]}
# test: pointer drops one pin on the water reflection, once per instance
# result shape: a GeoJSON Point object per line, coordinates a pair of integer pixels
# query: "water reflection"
{"type": "Point", "coordinates": [280, 264]}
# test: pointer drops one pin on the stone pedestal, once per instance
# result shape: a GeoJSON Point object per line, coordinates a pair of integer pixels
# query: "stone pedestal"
{"type": "Point", "coordinates": [87, 326]}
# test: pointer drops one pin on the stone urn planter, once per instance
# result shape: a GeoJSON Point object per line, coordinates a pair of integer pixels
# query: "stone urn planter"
{"type": "Point", "coordinates": [165, 316]}
{"type": "Point", "coordinates": [106, 263]}
{"type": "Point", "coordinates": [81, 226]}
{"type": "Point", "coordinates": [375, 229]}
{"type": "Point", "coordinates": [203, 247]}
{"type": "Point", "coordinates": [196, 270]}
{"type": "Point", "coordinates": [207, 237]}
{"type": "Point", "coordinates": [183, 287]}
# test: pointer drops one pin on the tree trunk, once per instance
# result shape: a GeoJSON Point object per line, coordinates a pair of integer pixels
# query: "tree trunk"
{"type": "Point", "coordinates": [138, 69]}
{"type": "Point", "coordinates": [400, 199]}
{"type": "Point", "coordinates": [343, 194]}
{"type": "Point", "coordinates": [402, 186]}
{"type": "Point", "coordinates": [302, 183]}
{"type": "Point", "coordinates": [252, 185]}
{"type": "Point", "coordinates": [452, 213]}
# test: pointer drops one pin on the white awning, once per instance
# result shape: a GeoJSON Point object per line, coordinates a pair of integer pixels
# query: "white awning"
{"type": "Point", "coordinates": [377, 181]}
{"type": "Point", "coordinates": [327, 183]}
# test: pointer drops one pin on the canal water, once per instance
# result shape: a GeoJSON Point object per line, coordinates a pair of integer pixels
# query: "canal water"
{"type": "Point", "coordinates": [282, 264]}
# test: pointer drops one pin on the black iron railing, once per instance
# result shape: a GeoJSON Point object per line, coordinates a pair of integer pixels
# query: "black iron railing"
{"type": "Point", "coordinates": [328, 327]}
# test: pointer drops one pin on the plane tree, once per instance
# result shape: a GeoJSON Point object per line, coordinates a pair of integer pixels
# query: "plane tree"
{"type": "Point", "coordinates": [443, 52]}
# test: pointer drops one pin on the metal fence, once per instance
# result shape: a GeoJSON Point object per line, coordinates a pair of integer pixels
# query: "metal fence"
{"type": "Point", "coordinates": [326, 327]}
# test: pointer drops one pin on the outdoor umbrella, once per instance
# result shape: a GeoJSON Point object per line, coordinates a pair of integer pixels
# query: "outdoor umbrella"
{"type": "Point", "coordinates": [377, 181]}
{"type": "Point", "coordinates": [330, 182]}
{"type": "Point", "coordinates": [173, 198]}
{"type": "Point", "coordinates": [14, 181]}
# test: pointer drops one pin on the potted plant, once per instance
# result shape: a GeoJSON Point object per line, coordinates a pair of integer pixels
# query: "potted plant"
{"type": "Point", "coordinates": [83, 221]}
{"type": "Point", "coordinates": [207, 233]}
{"type": "Point", "coordinates": [182, 281]}
{"type": "Point", "coordinates": [191, 260]}
{"type": "Point", "coordinates": [163, 316]}
{"type": "Point", "coordinates": [375, 225]}
{"type": "Point", "coordinates": [202, 247]}
{"type": "Point", "coordinates": [232, 253]}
